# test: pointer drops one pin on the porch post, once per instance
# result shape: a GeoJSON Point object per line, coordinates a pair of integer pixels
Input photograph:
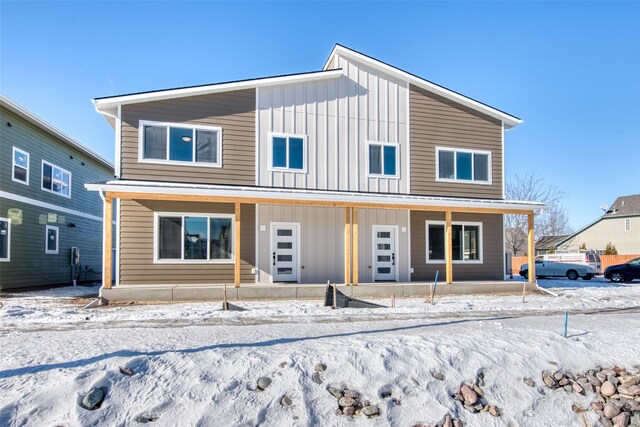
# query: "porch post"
{"type": "Point", "coordinates": [448, 249]}
{"type": "Point", "coordinates": [107, 243]}
{"type": "Point", "coordinates": [531, 249]}
{"type": "Point", "coordinates": [347, 246]}
{"type": "Point", "coordinates": [355, 246]}
{"type": "Point", "coordinates": [236, 264]}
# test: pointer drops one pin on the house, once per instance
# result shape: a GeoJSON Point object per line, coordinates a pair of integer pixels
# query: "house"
{"type": "Point", "coordinates": [358, 173]}
{"type": "Point", "coordinates": [620, 225]}
{"type": "Point", "coordinates": [45, 211]}
{"type": "Point", "coordinates": [545, 244]}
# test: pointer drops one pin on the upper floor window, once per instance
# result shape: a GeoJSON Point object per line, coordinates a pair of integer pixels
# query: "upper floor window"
{"type": "Point", "coordinates": [627, 224]}
{"type": "Point", "coordinates": [5, 239]}
{"type": "Point", "coordinates": [463, 165]}
{"type": "Point", "coordinates": [55, 179]}
{"type": "Point", "coordinates": [175, 143]}
{"type": "Point", "coordinates": [288, 152]}
{"type": "Point", "coordinates": [20, 166]}
{"type": "Point", "coordinates": [466, 239]}
{"type": "Point", "coordinates": [383, 159]}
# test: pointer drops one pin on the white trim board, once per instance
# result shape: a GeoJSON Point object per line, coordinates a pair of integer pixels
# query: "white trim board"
{"type": "Point", "coordinates": [459, 261]}
{"type": "Point", "coordinates": [33, 202]}
{"type": "Point", "coordinates": [8, 257]}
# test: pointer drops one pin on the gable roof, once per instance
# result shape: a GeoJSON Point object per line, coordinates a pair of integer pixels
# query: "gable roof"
{"type": "Point", "coordinates": [545, 242]}
{"type": "Point", "coordinates": [508, 120]}
{"type": "Point", "coordinates": [41, 124]}
{"type": "Point", "coordinates": [623, 206]}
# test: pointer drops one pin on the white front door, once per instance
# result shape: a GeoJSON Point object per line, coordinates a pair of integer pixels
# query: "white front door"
{"type": "Point", "coordinates": [384, 253]}
{"type": "Point", "coordinates": [284, 252]}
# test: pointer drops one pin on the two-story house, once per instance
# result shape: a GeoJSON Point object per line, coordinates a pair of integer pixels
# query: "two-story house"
{"type": "Point", "coordinates": [358, 173]}
{"type": "Point", "coordinates": [45, 211]}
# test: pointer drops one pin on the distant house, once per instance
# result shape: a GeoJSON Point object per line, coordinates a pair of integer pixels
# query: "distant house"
{"type": "Point", "coordinates": [546, 243]}
{"type": "Point", "coordinates": [620, 225]}
{"type": "Point", "coordinates": [44, 208]}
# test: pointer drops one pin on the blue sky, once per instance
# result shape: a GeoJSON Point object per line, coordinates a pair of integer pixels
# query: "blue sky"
{"type": "Point", "coordinates": [571, 70]}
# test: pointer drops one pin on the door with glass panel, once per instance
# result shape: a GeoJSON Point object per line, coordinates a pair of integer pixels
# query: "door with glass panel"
{"type": "Point", "coordinates": [384, 253]}
{"type": "Point", "coordinates": [284, 252]}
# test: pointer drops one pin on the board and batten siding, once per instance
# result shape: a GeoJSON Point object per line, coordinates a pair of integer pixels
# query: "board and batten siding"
{"type": "Point", "coordinates": [338, 116]}
{"type": "Point", "coordinates": [492, 248]}
{"type": "Point", "coordinates": [136, 246]}
{"type": "Point", "coordinates": [233, 111]}
{"type": "Point", "coordinates": [438, 122]}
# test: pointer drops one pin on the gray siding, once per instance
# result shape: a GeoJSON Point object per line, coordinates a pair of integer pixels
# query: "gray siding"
{"type": "Point", "coordinates": [136, 246]}
{"type": "Point", "coordinates": [233, 111]}
{"type": "Point", "coordinates": [438, 122]}
{"type": "Point", "coordinates": [492, 248]}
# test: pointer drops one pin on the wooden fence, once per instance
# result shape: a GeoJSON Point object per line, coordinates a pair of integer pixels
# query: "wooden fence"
{"type": "Point", "coordinates": [607, 260]}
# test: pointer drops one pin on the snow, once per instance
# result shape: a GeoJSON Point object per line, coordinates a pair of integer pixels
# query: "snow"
{"type": "Point", "coordinates": [197, 365]}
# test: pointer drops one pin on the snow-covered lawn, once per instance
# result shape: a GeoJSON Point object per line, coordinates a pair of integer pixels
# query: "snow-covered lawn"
{"type": "Point", "coordinates": [197, 366]}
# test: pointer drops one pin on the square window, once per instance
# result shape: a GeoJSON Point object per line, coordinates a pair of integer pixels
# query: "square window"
{"type": "Point", "coordinates": [288, 152]}
{"type": "Point", "coordinates": [56, 179]}
{"type": "Point", "coordinates": [382, 159]}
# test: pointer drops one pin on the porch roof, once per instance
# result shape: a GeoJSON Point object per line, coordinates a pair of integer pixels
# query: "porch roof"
{"type": "Point", "coordinates": [131, 189]}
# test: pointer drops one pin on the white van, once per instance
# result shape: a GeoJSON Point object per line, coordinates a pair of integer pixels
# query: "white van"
{"type": "Point", "coordinates": [589, 258]}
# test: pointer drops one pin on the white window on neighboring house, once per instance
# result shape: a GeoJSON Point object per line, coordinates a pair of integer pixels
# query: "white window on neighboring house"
{"type": "Point", "coordinates": [466, 242]}
{"type": "Point", "coordinates": [458, 165]}
{"type": "Point", "coordinates": [51, 239]}
{"type": "Point", "coordinates": [627, 224]}
{"type": "Point", "coordinates": [382, 158]}
{"type": "Point", "coordinates": [5, 239]}
{"type": "Point", "coordinates": [194, 238]}
{"type": "Point", "coordinates": [180, 144]}
{"type": "Point", "coordinates": [20, 172]}
{"type": "Point", "coordinates": [288, 152]}
{"type": "Point", "coordinates": [55, 179]}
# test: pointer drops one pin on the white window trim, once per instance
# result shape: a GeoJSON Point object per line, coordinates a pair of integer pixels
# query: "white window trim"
{"type": "Point", "coordinates": [156, 260]}
{"type": "Point", "coordinates": [272, 135]}
{"type": "Point", "coordinates": [383, 144]}
{"type": "Point", "coordinates": [455, 166]}
{"type": "Point", "coordinates": [68, 196]}
{"type": "Point", "coordinates": [8, 258]}
{"type": "Point", "coordinates": [168, 125]}
{"type": "Point", "coordinates": [627, 224]}
{"type": "Point", "coordinates": [444, 223]}
{"type": "Point", "coordinates": [46, 240]}
{"type": "Point", "coordinates": [13, 165]}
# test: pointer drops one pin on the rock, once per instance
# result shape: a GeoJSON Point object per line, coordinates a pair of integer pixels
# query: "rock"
{"type": "Point", "coordinates": [606, 422]}
{"type": "Point", "coordinates": [93, 399]}
{"type": "Point", "coordinates": [346, 401]}
{"type": "Point", "coordinates": [470, 408]}
{"type": "Point", "coordinates": [470, 396]}
{"type": "Point", "coordinates": [438, 375]}
{"type": "Point", "coordinates": [597, 406]}
{"type": "Point", "coordinates": [125, 370]}
{"type": "Point", "coordinates": [485, 408]}
{"type": "Point", "coordinates": [588, 387]}
{"type": "Point", "coordinates": [479, 407]}
{"type": "Point", "coordinates": [493, 410]}
{"type": "Point", "coordinates": [563, 382]}
{"type": "Point", "coordinates": [613, 379]}
{"type": "Point", "coordinates": [320, 367]}
{"type": "Point", "coordinates": [558, 376]}
{"type": "Point", "coordinates": [351, 393]}
{"type": "Point", "coordinates": [541, 391]}
{"type": "Point", "coordinates": [447, 421]}
{"type": "Point", "coordinates": [457, 423]}
{"type": "Point", "coordinates": [549, 380]}
{"type": "Point", "coordinates": [282, 364]}
{"type": "Point", "coordinates": [634, 390]}
{"type": "Point", "coordinates": [577, 408]}
{"type": "Point", "coordinates": [582, 380]}
{"type": "Point", "coordinates": [602, 377]}
{"type": "Point", "coordinates": [529, 382]}
{"type": "Point", "coordinates": [593, 380]}
{"type": "Point", "coordinates": [316, 378]}
{"type": "Point", "coordinates": [478, 390]}
{"type": "Point", "coordinates": [264, 382]}
{"type": "Point", "coordinates": [621, 420]}
{"type": "Point", "coordinates": [385, 394]}
{"type": "Point", "coordinates": [629, 380]}
{"type": "Point", "coordinates": [568, 388]}
{"type": "Point", "coordinates": [285, 400]}
{"type": "Point", "coordinates": [348, 410]}
{"type": "Point", "coordinates": [635, 420]}
{"type": "Point", "coordinates": [459, 397]}
{"type": "Point", "coordinates": [607, 389]}
{"type": "Point", "coordinates": [577, 388]}
{"type": "Point", "coordinates": [334, 392]}
{"type": "Point", "coordinates": [610, 410]}
{"type": "Point", "coordinates": [396, 401]}
{"type": "Point", "coordinates": [145, 419]}
{"type": "Point", "coordinates": [371, 410]}
{"type": "Point", "coordinates": [623, 390]}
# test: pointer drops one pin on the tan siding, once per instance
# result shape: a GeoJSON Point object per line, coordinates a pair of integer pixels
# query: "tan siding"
{"type": "Point", "coordinates": [136, 246]}
{"type": "Point", "coordinates": [492, 248]}
{"type": "Point", "coordinates": [438, 122]}
{"type": "Point", "coordinates": [233, 111]}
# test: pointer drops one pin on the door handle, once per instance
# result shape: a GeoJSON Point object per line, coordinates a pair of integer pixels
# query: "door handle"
{"type": "Point", "coordinates": [274, 258]}
{"type": "Point", "coordinates": [393, 259]}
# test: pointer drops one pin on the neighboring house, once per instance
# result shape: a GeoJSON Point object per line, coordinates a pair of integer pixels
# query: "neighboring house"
{"type": "Point", "coordinates": [545, 243]}
{"type": "Point", "coordinates": [358, 173]}
{"type": "Point", "coordinates": [620, 225]}
{"type": "Point", "coordinates": [44, 208]}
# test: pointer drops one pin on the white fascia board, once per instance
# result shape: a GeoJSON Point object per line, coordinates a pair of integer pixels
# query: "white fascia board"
{"type": "Point", "coordinates": [38, 122]}
{"type": "Point", "coordinates": [308, 195]}
{"type": "Point", "coordinates": [509, 120]}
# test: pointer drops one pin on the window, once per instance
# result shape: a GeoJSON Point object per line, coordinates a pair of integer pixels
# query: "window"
{"type": "Point", "coordinates": [51, 240]}
{"type": "Point", "coordinates": [5, 239]}
{"type": "Point", "coordinates": [463, 165]}
{"type": "Point", "coordinates": [56, 179]}
{"type": "Point", "coordinates": [466, 241]}
{"type": "Point", "coordinates": [20, 166]}
{"type": "Point", "coordinates": [627, 224]}
{"type": "Point", "coordinates": [288, 152]}
{"type": "Point", "coordinates": [383, 159]}
{"type": "Point", "coordinates": [194, 238]}
{"type": "Point", "coordinates": [175, 143]}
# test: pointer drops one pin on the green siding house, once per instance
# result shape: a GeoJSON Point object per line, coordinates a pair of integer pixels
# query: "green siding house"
{"type": "Point", "coordinates": [45, 211]}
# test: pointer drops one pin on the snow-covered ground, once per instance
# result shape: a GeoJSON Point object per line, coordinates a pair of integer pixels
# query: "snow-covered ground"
{"type": "Point", "coordinates": [197, 365]}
